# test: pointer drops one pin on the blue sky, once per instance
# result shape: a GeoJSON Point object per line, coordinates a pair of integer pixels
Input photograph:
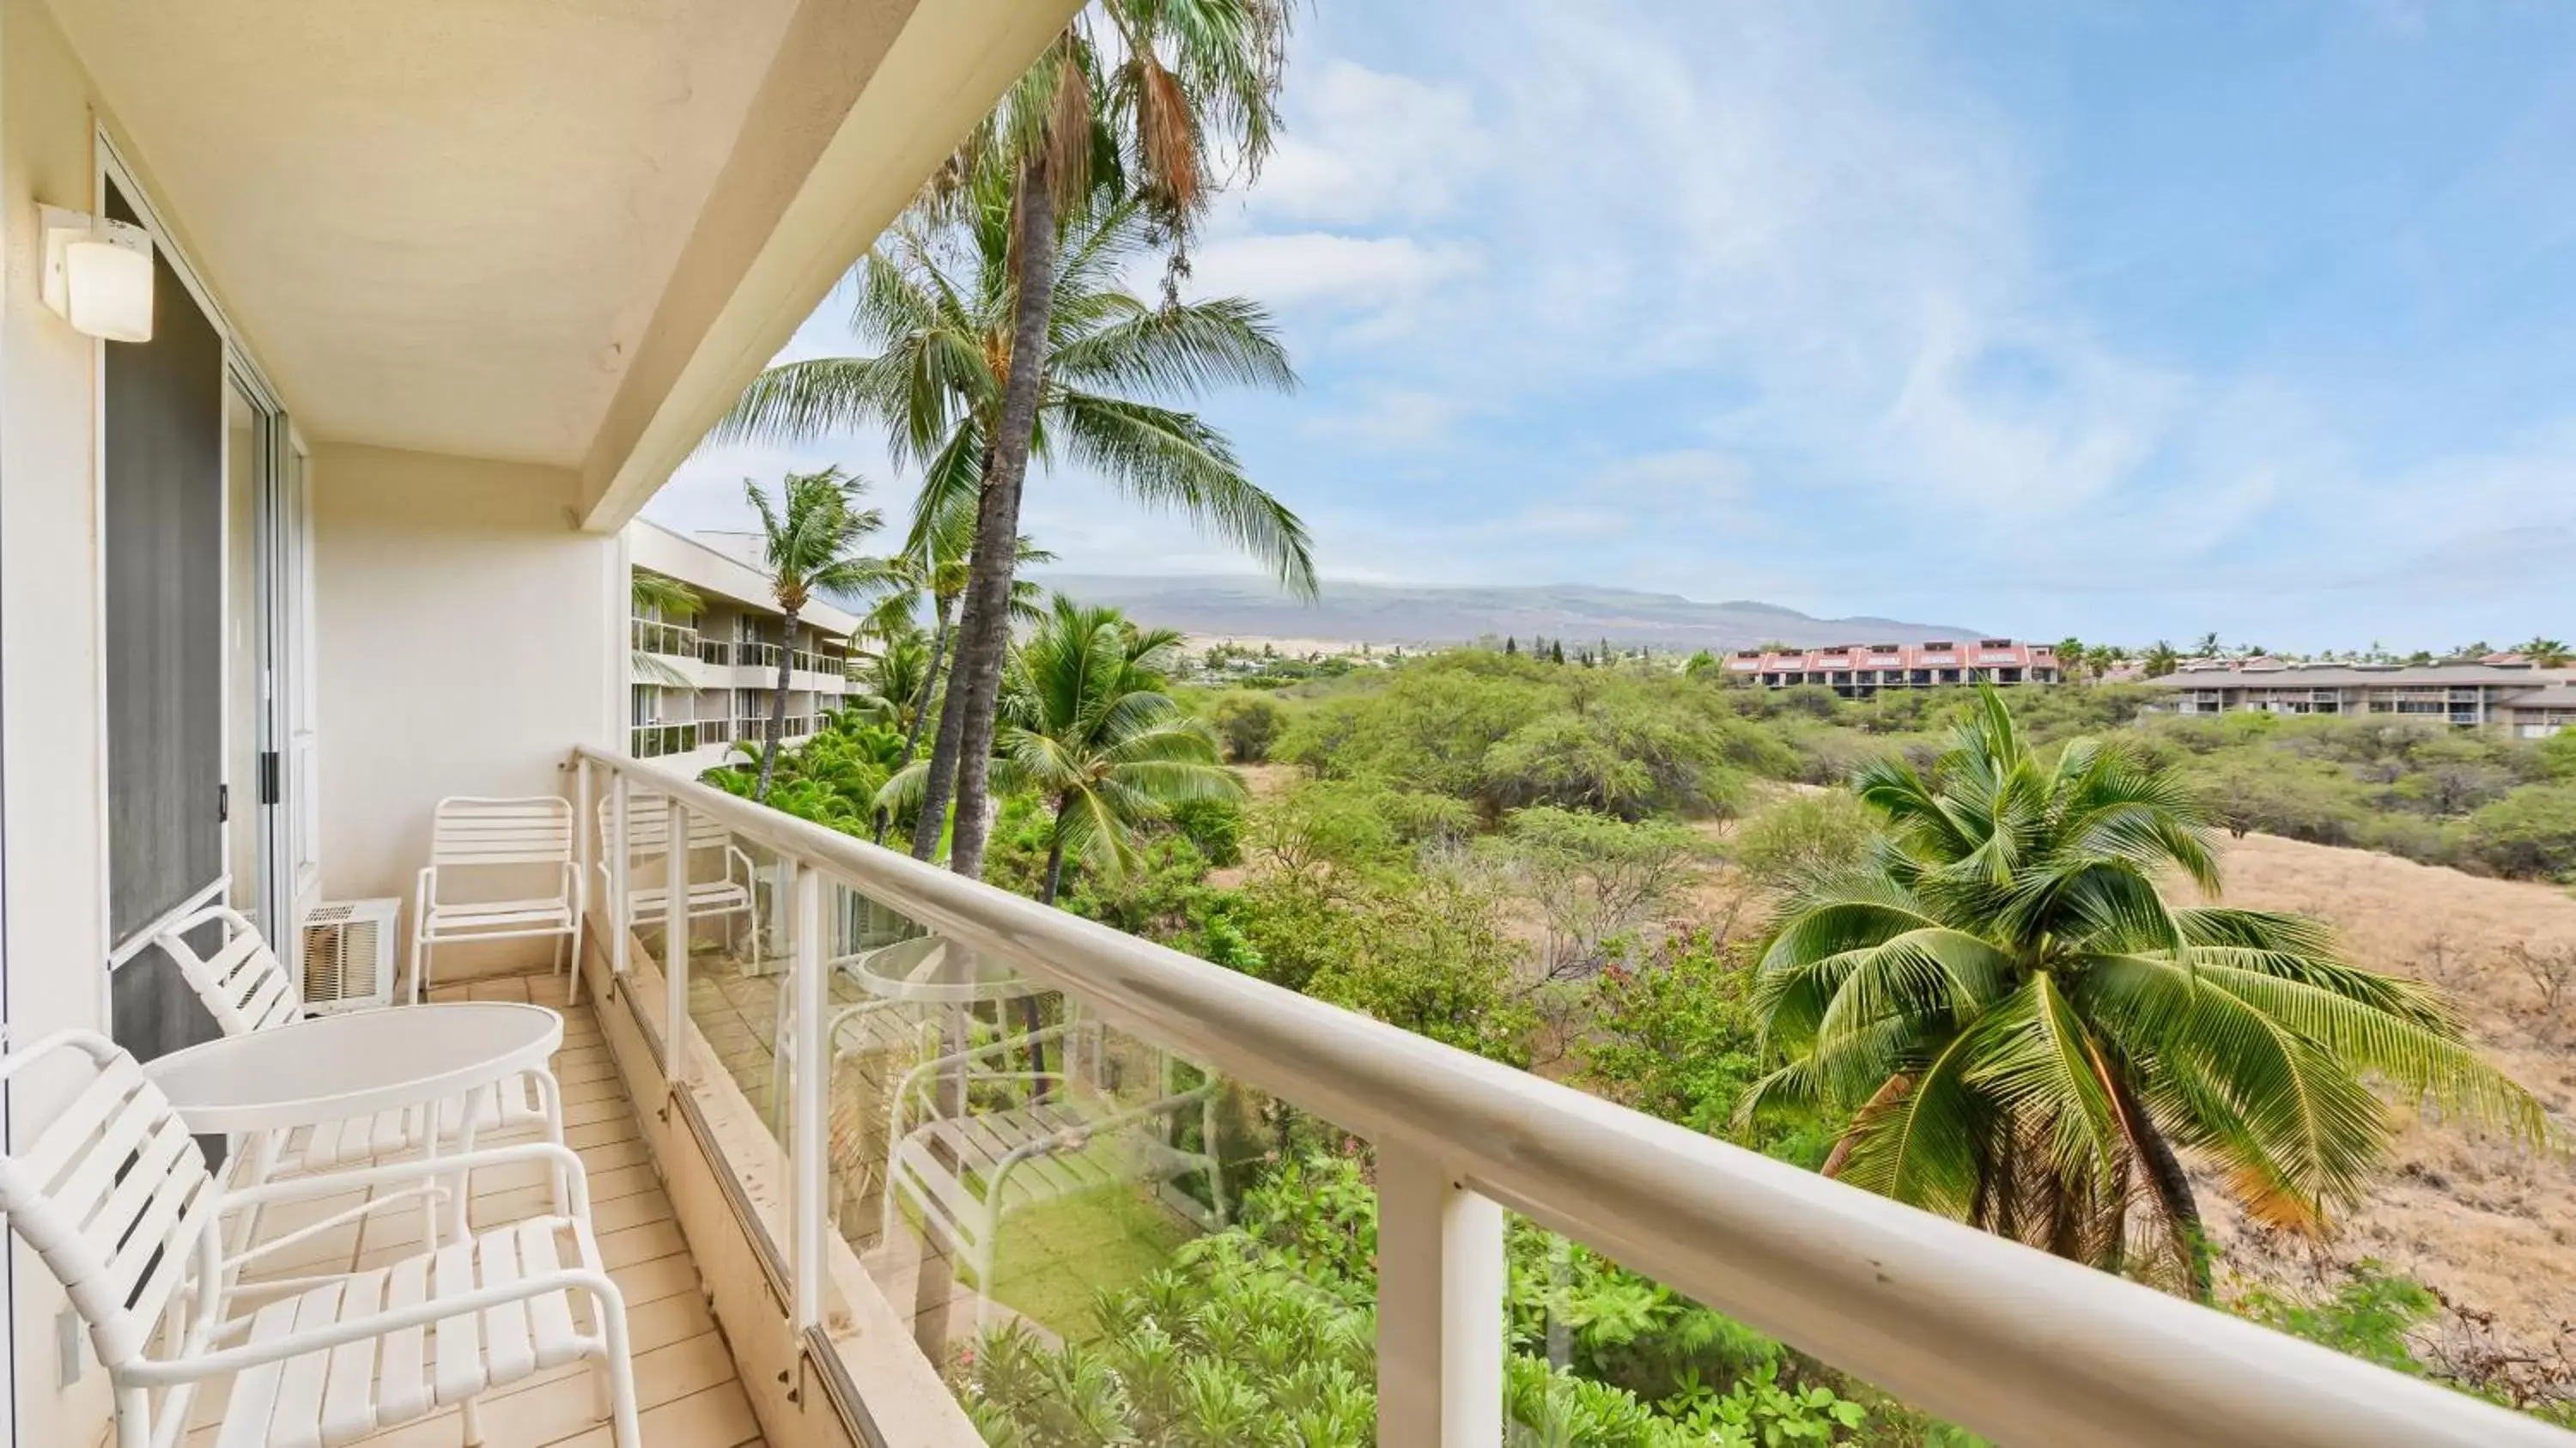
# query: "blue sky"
{"type": "Point", "coordinates": [2120, 319]}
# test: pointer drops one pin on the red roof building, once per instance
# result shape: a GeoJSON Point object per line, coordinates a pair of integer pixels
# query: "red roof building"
{"type": "Point", "coordinates": [1859, 670]}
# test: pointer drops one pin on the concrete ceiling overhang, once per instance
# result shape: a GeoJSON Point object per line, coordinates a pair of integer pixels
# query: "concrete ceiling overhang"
{"type": "Point", "coordinates": [553, 231]}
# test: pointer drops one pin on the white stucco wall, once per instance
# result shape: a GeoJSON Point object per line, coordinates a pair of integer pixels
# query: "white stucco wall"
{"type": "Point", "coordinates": [466, 637]}
{"type": "Point", "coordinates": [53, 870]}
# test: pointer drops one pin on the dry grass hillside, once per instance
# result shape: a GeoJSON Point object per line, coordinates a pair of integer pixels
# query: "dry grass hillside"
{"type": "Point", "coordinates": [2490, 1228]}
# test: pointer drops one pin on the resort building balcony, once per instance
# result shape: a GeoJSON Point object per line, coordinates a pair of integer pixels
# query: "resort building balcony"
{"type": "Point", "coordinates": [440, 297]}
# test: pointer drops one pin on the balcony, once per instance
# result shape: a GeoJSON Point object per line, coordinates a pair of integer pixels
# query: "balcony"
{"type": "Point", "coordinates": [934, 1208]}
{"type": "Point", "coordinates": [667, 640]}
{"type": "Point", "coordinates": [654, 741]}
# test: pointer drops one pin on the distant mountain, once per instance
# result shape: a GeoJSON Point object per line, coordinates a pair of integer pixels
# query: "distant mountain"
{"type": "Point", "coordinates": [1251, 608]}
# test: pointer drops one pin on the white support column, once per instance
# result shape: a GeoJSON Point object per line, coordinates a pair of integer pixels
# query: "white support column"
{"type": "Point", "coordinates": [585, 851]}
{"type": "Point", "coordinates": [675, 940]}
{"type": "Point", "coordinates": [621, 863]}
{"type": "Point", "coordinates": [813, 1068]}
{"type": "Point", "coordinates": [1439, 1306]}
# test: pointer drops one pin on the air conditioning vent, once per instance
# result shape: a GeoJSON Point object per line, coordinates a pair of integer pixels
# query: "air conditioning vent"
{"type": "Point", "coordinates": [349, 955]}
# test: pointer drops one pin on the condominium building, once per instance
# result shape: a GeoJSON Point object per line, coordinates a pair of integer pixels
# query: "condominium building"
{"type": "Point", "coordinates": [701, 682]}
{"type": "Point", "coordinates": [2516, 698]}
{"type": "Point", "coordinates": [1857, 671]}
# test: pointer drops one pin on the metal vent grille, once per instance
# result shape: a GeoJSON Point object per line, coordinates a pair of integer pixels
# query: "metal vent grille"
{"type": "Point", "coordinates": [349, 954]}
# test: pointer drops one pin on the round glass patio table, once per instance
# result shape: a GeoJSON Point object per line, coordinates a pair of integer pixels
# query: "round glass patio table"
{"type": "Point", "coordinates": [358, 1063]}
{"type": "Point", "coordinates": [933, 970]}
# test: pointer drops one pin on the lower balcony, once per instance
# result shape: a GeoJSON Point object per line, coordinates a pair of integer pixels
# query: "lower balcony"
{"type": "Point", "coordinates": [965, 1169]}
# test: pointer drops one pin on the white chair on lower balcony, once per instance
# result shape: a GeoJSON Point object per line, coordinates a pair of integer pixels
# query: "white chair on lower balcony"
{"type": "Point", "coordinates": [966, 1164]}
{"type": "Point", "coordinates": [720, 874]}
{"type": "Point", "coordinates": [246, 988]}
{"type": "Point", "coordinates": [116, 1198]}
{"type": "Point", "coordinates": [506, 844]}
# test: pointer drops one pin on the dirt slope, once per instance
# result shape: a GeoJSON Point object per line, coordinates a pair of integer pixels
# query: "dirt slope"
{"type": "Point", "coordinates": [2490, 1228]}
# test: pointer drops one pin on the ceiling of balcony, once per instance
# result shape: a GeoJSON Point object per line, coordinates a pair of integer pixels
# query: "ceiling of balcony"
{"type": "Point", "coordinates": [443, 225]}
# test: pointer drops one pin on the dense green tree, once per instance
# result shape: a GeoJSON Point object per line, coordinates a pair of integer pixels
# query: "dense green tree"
{"type": "Point", "coordinates": [1799, 842]}
{"type": "Point", "coordinates": [2024, 1030]}
{"type": "Point", "coordinates": [2528, 833]}
{"type": "Point", "coordinates": [1248, 723]}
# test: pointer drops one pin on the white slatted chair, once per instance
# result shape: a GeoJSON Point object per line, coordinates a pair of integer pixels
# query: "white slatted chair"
{"type": "Point", "coordinates": [116, 1198]}
{"type": "Point", "coordinates": [472, 836]}
{"type": "Point", "coordinates": [1062, 1136]}
{"type": "Point", "coordinates": [246, 988]}
{"type": "Point", "coordinates": [872, 1027]}
{"type": "Point", "coordinates": [720, 874]}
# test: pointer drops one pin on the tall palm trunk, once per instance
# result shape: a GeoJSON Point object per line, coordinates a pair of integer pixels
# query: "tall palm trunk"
{"type": "Point", "coordinates": [984, 634]}
{"type": "Point", "coordinates": [1029, 1016]}
{"type": "Point", "coordinates": [777, 710]}
{"type": "Point", "coordinates": [920, 708]}
{"type": "Point", "coordinates": [2171, 1185]}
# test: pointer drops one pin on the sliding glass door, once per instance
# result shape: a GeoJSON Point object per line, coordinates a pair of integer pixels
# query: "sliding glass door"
{"type": "Point", "coordinates": [204, 557]}
{"type": "Point", "coordinates": [163, 463]}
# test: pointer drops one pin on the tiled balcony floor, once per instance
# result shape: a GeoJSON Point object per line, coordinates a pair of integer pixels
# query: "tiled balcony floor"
{"type": "Point", "coordinates": [685, 1381]}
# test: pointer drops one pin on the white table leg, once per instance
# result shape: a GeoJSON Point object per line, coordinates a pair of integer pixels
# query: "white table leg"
{"type": "Point", "coordinates": [474, 1102]}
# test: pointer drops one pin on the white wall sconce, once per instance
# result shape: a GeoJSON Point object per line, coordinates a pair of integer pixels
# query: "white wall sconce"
{"type": "Point", "coordinates": [98, 274]}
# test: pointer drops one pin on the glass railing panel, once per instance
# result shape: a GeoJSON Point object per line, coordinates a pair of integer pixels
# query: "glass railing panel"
{"type": "Point", "coordinates": [1601, 1354]}
{"type": "Point", "coordinates": [1076, 1228]}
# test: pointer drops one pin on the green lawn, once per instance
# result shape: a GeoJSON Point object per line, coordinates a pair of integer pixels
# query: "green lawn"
{"type": "Point", "coordinates": [1055, 1258]}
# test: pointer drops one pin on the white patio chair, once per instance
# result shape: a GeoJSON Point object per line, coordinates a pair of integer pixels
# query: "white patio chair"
{"type": "Point", "coordinates": [720, 874]}
{"type": "Point", "coordinates": [474, 837]}
{"type": "Point", "coordinates": [116, 1198]}
{"type": "Point", "coordinates": [246, 988]}
{"type": "Point", "coordinates": [877, 1025]}
{"type": "Point", "coordinates": [1063, 1135]}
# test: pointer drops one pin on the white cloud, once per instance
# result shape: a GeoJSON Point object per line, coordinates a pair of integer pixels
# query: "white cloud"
{"type": "Point", "coordinates": [1364, 147]}
{"type": "Point", "coordinates": [1394, 419]}
{"type": "Point", "coordinates": [1321, 269]}
{"type": "Point", "coordinates": [1693, 479]}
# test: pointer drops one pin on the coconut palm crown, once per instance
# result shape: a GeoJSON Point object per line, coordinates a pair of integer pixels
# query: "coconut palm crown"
{"type": "Point", "coordinates": [2024, 1031]}
{"type": "Point", "coordinates": [809, 540]}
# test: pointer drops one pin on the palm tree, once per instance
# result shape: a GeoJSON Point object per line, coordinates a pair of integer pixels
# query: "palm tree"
{"type": "Point", "coordinates": [1141, 97]}
{"type": "Point", "coordinates": [941, 304]}
{"type": "Point", "coordinates": [895, 678]}
{"type": "Point", "coordinates": [2162, 660]}
{"type": "Point", "coordinates": [1088, 726]}
{"type": "Point", "coordinates": [2544, 653]}
{"type": "Point", "coordinates": [2025, 1032]}
{"type": "Point", "coordinates": [809, 541]}
{"type": "Point", "coordinates": [2208, 646]}
{"type": "Point", "coordinates": [933, 565]}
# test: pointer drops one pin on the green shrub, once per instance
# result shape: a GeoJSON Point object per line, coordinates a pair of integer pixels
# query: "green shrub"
{"type": "Point", "coordinates": [1803, 839]}
{"type": "Point", "coordinates": [1248, 723]}
{"type": "Point", "coordinates": [2528, 834]}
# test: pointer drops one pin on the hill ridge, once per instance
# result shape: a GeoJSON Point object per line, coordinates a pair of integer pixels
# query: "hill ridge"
{"type": "Point", "coordinates": [1244, 606]}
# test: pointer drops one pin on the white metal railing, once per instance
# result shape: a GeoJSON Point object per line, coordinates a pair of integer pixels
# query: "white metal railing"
{"type": "Point", "coordinates": [756, 655]}
{"type": "Point", "coordinates": [756, 728]}
{"type": "Point", "coordinates": [671, 639]}
{"type": "Point", "coordinates": [2022, 1347]}
{"type": "Point", "coordinates": [714, 651]}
